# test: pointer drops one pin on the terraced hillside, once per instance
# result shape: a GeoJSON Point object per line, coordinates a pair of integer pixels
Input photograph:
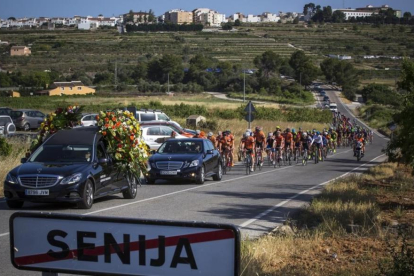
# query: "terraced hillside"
{"type": "Point", "coordinates": [69, 51]}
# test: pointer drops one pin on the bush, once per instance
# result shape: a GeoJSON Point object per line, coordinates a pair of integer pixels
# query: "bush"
{"type": "Point", "coordinates": [210, 125]}
{"type": "Point", "coordinates": [349, 94]}
{"type": "Point", "coordinates": [5, 148]}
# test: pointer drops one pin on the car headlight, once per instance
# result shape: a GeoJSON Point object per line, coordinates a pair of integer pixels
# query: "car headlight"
{"type": "Point", "coordinates": [194, 163]}
{"type": "Point", "coordinates": [11, 179]}
{"type": "Point", "coordinates": [75, 178]}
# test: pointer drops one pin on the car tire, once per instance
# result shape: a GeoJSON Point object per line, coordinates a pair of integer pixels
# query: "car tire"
{"type": "Point", "coordinates": [201, 176]}
{"type": "Point", "coordinates": [132, 190]}
{"type": "Point", "coordinates": [14, 204]}
{"type": "Point", "coordinates": [26, 127]}
{"type": "Point", "coordinates": [219, 173]}
{"type": "Point", "coordinates": [87, 196]}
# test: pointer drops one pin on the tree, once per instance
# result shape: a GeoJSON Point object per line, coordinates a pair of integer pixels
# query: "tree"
{"type": "Point", "coordinates": [338, 17]}
{"type": "Point", "coordinates": [151, 16]}
{"type": "Point", "coordinates": [12, 18]}
{"type": "Point", "coordinates": [140, 71]}
{"type": "Point", "coordinates": [305, 71]}
{"type": "Point", "coordinates": [100, 14]}
{"type": "Point", "coordinates": [237, 22]}
{"type": "Point", "coordinates": [401, 146]}
{"type": "Point", "coordinates": [328, 69]}
{"type": "Point", "coordinates": [5, 80]}
{"type": "Point", "coordinates": [130, 17]}
{"type": "Point", "coordinates": [407, 15]}
{"type": "Point", "coordinates": [309, 9]}
{"type": "Point", "coordinates": [327, 14]}
{"type": "Point", "coordinates": [381, 94]}
{"type": "Point", "coordinates": [158, 70]}
{"type": "Point", "coordinates": [268, 63]}
{"type": "Point", "coordinates": [227, 26]}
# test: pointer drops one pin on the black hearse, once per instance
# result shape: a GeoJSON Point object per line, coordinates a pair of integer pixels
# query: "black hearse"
{"type": "Point", "coordinates": [70, 166]}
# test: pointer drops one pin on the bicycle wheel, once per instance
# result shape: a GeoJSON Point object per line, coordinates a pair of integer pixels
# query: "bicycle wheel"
{"type": "Point", "coordinates": [305, 158]}
{"type": "Point", "coordinates": [297, 156]}
{"type": "Point", "coordinates": [224, 165]}
{"type": "Point", "coordinates": [259, 161]}
{"type": "Point", "coordinates": [248, 164]}
{"type": "Point", "coordinates": [289, 157]}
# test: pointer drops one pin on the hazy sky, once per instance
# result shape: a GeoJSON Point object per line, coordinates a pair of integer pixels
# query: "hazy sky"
{"type": "Point", "coordinates": [68, 8]}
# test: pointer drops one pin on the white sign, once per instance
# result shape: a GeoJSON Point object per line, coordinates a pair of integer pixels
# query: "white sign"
{"type": "Point", "coordinates": [100, 245]}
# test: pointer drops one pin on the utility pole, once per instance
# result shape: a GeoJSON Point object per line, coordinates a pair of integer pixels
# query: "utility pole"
{"type": "Point", "coordinates": [168, 80]}
{"type": "Point", "coordinates": [116, 73]}
{"type": "Point", "coordinates": [244, 85]}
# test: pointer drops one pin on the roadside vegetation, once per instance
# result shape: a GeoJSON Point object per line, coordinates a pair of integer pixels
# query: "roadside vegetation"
{"type": "Point", "coordinates": [359, 225]}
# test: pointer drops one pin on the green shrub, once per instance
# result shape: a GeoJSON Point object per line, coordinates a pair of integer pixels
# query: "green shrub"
{"type": "Point", "coordinates": [5, 148]}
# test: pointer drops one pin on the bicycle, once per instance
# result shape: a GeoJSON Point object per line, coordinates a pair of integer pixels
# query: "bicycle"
{"type": "Point", "coordinates": [259, 158]}
{"type": "Point", "coordinates": [223, 163]}
{"type": "Point", "coordinates": [316, 154]}
{"type": "Point", "coordinates": [297, 154]}
{"type": "Point", "coordinates": [288, 156]}
{"type": "Point", "coordinates": [270, 157]}
{"type": "Point", "coordinates": [278, 158]}
{"type": "Point", "coordinates": [248, 162]}
{"type": "Point", "coordinates": [305, 157]}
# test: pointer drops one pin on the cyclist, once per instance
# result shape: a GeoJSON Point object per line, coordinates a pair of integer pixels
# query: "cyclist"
{"type": "Point", "coordinates": [219, 138]}
{"type": "Point", "coordinates": [270, 142]}
{"type": "Point", "coordinates": [213, 140]}
{"type": "Point", "coordinates": [226, 145]}
{"type": "Point", "coordinates": [231, 138]}
{"type": "Point", "coordinates": [198, 134]}
{"type": "Point", "coordinates": [288, 139]}
{"type": "Point", "coordinates": [317, 142]}
{"type": "Point", "coordinates": [279, 145]}
{"type": "Point", "coordinates": [360, 138]}
{"type": "Point", "coordinates": [248, 145]}
{"type": "Point", "coordinates": [260, 138]}
{"type": "Point", "coordinates": [334, 138]}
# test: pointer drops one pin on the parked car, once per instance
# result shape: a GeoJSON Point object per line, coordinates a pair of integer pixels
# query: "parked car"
{"type": "Point", "coordinates": [144, 115]}
{"type": "Point", "coordinates": [71, 166]}
{"type": "Point", "coordinates": [6, 125]}
{"type": "Point", "coordinates": [333, 107]}
{"type": "Point", "coordinates": [326, 99]}
{"type": "Point", "coordinates": [27, 119]}
{"type": "Point", "coordinates": [155, 135]}
{"type": "Point", "coordinates": [176, 127]}
{"type": "Point", "coordinates": [185, 159]}
{"type": "Point", "coordinates": [5, 111]}
{"type": "Point", "coordinates": [322, 93]}
{"type": "Point", "coordinates": [89, 120]}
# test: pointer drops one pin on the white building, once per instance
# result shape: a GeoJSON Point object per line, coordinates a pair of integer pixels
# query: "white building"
{"type": "Point", "coordinates": [340, 57]}
{"type": "Point", "coordinates": [250, 18]}
{"type": "Point", "coordinates": [354, 13]}
{"type": "Point", "coordinates": [270, 17]}
{"type": "Point", "coordinates": [87, 24]}
{"type": "Point", "coordinates": [59, 20]}
{"type": "Point", "coordinates": [208, 17]}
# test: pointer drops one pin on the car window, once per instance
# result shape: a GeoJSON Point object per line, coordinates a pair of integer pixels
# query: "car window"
{"type": "Point", "coordinates": [16, 114]}
{"type": "Point", "coordinates": [62, 154]}
{"type": "Point", "coordinates": [181, 147]}
{"type": "Point", "coordinates": [154, 131]}
{"type": "Point", "coordinates": [100, 153]}
{"type": "Point", "coordinates": [166, 131]}
{"type": "Point", "coordinates": [4, 121]}
{"type": "Point", "coordinates": [209, 145]}
{"type": "Point", "coordinates": [147, 117]}
{"type": "Point", "coordinates": [163, 117]}
{"type": "Point", "coordinates": [39, 114]}
{"type": "Point", "coordinates": [87, 118]}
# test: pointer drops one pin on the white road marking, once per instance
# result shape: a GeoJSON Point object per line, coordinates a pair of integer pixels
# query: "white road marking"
{"type": "Point", "coordinates": [4, 234]}
{"type": "Point", "coordinates": [250, 221]}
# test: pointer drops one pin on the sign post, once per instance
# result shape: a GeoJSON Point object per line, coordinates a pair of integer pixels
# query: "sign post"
{"type": "Point", "coordinates": [118, 246]}
{"type": "Point", "coordinates": [250, 109]}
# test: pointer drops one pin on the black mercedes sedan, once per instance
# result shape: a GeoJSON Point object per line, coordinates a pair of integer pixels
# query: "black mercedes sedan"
{"type": "Point", "coordinates": [185, 159]}
{"type": "Point", "coordinates": [71, 166]}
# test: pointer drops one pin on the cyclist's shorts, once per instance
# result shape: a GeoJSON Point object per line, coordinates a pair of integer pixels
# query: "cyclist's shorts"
{"type": "Point", "coordinates": [305, 146]}
{"type": "Point", "coordinates": [317, 145]}
{"type": "Point", "coordinates": [249, 151]}
{"type": "Point", "coordinates": [297, 144]}
{"type": "Point", "coordinates": [259, 144]}
{"type": "Point", "coordinates": [269, 147]}
{"type": "Point", "coordinates": [287, 145]}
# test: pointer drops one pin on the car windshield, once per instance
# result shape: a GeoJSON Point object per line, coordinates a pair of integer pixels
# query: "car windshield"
{"type": "Point", "coordinates": [4, 121]}
{"type": "Point", "coordinates": [181, 147]}
{"type": "Point", "coordinates": [62, 154]}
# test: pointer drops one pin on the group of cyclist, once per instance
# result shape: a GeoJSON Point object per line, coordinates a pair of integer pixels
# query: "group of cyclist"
{"type": "Point", "coordinates": [305, 144]}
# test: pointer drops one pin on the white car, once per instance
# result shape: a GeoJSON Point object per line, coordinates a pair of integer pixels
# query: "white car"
{"type": "Point", "coordinates": [6, 125]}
{"type": "Point", "coordinates": [155, 135]}
{"type": "Point", "coordinates": [89, 120]}
{"type": "Point", "coordinates": [144, 115]}
{"type": "Point", "coordinates": [333, 107]}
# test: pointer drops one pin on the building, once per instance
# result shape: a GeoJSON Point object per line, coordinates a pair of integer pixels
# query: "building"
{"type": "Point", "coordinates": [208, 17]}
{"type": "Point", "coordinates": [270, 17]}
{"type": "Point", "coordinates": [178, 17]}
{"type": "Point", "coordinates": [67, 88]}
{"type": "Point", "coordinates": [237, 16]}
{"type": "Point", "coordinates": [14, 94]}
{"type": "Point", "coordinates": [376, 10]}
{"type": "Point", "coordinates": [355, 13]}
{"type": "Point", "coordinates": [250, 18]}
{"type": "Point", "coordinates": [20, 51]}
{"type": "Point", "coordinates": [340, 57]}
{"type": "Point", "coordinates": [86, 23]}
{"type": "Point", "coordinates": [137, 17]}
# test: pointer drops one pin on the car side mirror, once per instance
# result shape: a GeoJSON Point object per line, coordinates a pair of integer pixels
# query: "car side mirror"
{"type": "Point", "coordinates": [103, 161]}
{"type": "Point", "coordinates": [23, 160]}
{"type": "Point", "coordinates": [210, 152]}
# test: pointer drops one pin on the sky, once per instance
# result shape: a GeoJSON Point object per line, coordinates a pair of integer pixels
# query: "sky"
{"type": "Point", "coordinates": [69, 8]}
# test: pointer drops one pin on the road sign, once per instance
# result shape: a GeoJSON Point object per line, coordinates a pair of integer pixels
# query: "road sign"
{"type": "Point", "coordinates": [249, 118]}
{"type": "Point", "coordinates": [119, 246]}
{"type": "Point", "coordinates": [250, 107]}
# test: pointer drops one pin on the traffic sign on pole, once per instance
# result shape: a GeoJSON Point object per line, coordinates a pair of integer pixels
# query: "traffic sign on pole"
{"type": "Point", "coordinates": [120, 246]}
{"type": "Point", "coordinates": [250, 109]}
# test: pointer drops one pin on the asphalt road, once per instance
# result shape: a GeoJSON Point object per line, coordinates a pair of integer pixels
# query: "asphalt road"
{"type": "Point", "coordinates": [256, 203]}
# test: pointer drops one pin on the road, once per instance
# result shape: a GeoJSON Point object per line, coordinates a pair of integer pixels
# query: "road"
{"type": "Point", "coordinates": [256, 203]}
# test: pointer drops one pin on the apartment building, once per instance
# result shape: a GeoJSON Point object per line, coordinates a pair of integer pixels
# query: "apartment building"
{"type": "Point", "coordinates": [20, 51]}
{"type": "Point", "coordinates": [178, 16]}
{"type": "Point", "coordinates": [208, 17]}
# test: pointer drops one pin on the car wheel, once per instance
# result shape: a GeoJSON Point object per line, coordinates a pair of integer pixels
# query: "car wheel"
{"type": "Point", "coordinates": [14, 204]}
{"type": "Point", "coordinates": [87, 197]}
{"type": "Point", "coordinates": [131, 192]}
{"type": "Point", "coordinates": [219, 173]}
{"type": "Point", "coordinates": [201, 176]}
{"type": "Point", "coordinates": [26, 127]}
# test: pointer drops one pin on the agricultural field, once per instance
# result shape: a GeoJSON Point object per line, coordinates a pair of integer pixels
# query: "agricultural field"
{"type": "Point", "coordinates": [69, 51]}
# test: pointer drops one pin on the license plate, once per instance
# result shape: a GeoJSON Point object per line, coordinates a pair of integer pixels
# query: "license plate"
{"type": "Point", "coordinates": [37, 192]}
{"type": "Point", "coordinates": [168, 172]}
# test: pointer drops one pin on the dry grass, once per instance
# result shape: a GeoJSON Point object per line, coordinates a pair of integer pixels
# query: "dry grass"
{"type": "Point", "coordinates": [323, 243]}
{"type": "Point", "coordinates": [389, 82]}
{"type": "Point", "coordinates": [19, 147]}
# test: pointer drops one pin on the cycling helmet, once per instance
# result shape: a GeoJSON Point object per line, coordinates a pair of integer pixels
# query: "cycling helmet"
{"type": "Point", "coordinates": [288, 130]}
{"type": "Point", "coordinates": [278, 132]}
{"type": "Point", "coordinates": [198, 131]}
{"type": "Point", "coordinates": [318, 133]}
{"type": "Point", "coordinates": [246, 134]}
{"type": "Point", "coordinates": [325, 133]}
{"type": "Point", "coordinates": [305, 134]}
{"type": "Point", "coordinates": [228, 131]}
{"type": "Point", "coordinates": [270, 134]}
{"type": "Point", "coordinates": [277, 127]}
{"type": "Point", "coordinates": [210, 134]}
{"type": "Point", "coordinates": [257, 128]}
{"type": "Point", "coordinates": [293, 130]}
{"type": "Point", "coordinates": [220, 133]}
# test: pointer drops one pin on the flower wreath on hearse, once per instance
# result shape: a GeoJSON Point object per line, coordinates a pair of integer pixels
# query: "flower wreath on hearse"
{"type": "Point", "coordinates": [120, 130]}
